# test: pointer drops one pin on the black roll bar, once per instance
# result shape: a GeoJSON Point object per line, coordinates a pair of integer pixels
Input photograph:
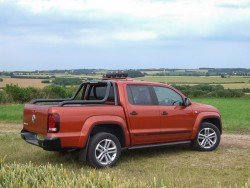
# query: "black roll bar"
{"type": "Point", "coordinates": [63, 103]}
{"type": "Point", "coordinates": [68, 101]}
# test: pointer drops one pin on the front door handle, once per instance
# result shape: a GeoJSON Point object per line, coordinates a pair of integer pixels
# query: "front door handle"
{"type": "Point", "coordinates": [134, 113]}
{"type": "Point", "coordinates": [164, 113]}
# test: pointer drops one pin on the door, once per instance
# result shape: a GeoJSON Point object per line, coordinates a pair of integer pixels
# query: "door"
{"type": "Point", "coordinates": [143, 115]}
{"type": "Point", "coordinates": [177, 120]}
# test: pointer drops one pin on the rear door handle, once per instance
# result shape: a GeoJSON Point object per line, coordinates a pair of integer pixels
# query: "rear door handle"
{"type": "Point", "coordinates": [134, 113]}
{"type": "Point", "coordinates": [164, 113]}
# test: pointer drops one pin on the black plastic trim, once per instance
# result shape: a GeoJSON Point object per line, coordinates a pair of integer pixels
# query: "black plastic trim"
{"type": "Point", "coordinates": [159, 145]}
{"type": "Point", "coordinates": [48, 143]}
{"type": "Point", "coordinates": [160, 133]}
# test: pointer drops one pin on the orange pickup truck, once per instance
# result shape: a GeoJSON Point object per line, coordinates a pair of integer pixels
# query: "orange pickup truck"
{"type": "Point", "coordinates": [106, 116]}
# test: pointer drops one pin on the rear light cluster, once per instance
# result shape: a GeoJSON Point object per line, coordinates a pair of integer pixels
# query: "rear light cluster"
{"type": "Point", "coordinates": [53, 123]}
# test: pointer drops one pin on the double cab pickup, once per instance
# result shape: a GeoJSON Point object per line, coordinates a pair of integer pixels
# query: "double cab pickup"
{"type": "Point", "coordinates": [115, 113]}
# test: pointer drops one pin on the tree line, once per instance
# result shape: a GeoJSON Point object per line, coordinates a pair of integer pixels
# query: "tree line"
{"type": "Point", "coordinates": [206, 90]}
{"type": "Point", "coordinates": [15, 94]}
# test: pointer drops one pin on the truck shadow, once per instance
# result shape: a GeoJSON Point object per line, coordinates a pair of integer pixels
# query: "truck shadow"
{"type": "Point", "coordinates": [153, 152]}
{"type": "Point", "coordinates": [71, 158]}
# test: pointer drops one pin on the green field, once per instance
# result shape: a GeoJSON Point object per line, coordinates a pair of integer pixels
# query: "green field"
{"type": "Point", "coordinates": [12, 113]}
{"type": "Point", "coordinates": [234, 111]}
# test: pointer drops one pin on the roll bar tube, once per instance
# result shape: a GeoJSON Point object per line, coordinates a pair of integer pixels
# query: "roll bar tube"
{"type": "Point", "coordinates": [68, 101]}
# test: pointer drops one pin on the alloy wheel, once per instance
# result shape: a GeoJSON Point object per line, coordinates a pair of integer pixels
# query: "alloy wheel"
{"type": "Point", "coordinates": [105, 151]}
{"type": "Point", "coordinates": [207, 138]}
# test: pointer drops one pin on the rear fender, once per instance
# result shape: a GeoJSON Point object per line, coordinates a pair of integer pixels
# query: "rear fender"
{"type": "Point", "coordinates": [97, 120]}
{"type": "Point", "coordinates": [200, 118]}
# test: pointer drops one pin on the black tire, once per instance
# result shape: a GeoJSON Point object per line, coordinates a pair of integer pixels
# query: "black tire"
{"type": "Point", "coordinates": [207, 138]}
{"type": "Point", "coordinates": [104, 150]}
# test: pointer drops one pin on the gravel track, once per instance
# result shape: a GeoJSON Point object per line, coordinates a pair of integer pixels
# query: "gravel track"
{"type": "Point", "coordinates": [227, 140]}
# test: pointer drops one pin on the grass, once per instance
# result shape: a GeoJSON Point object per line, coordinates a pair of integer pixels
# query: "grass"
{"type": "Point", "coordinates": [177, 166]}
{"type": "Point", "coordinates": [234, 112]}
{"type": "Point", "coordinates": [12, 113]}
{"type": "Point", "coordinates": [28, 175]}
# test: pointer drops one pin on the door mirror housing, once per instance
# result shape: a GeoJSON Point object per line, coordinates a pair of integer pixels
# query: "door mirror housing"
{"type": "Point", "coordinates": [187, 102]}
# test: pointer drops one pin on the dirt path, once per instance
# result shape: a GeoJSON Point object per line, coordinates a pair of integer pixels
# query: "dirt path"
{"type": "Point", "coordinates": [10, 128]}
{"type": "Point", "coordinates": [227, 140]}
{"type": "Point", "coordinates": [238, 140]}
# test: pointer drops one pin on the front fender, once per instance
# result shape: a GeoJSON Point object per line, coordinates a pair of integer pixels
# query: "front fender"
{"type": "Point", "coordinates": [200, 118]}
{"type": "Point", "coordinates": [97, 120]}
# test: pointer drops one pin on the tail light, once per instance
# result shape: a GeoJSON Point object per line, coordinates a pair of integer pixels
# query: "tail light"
{"type": "Point", "coordinates": [53, 123]}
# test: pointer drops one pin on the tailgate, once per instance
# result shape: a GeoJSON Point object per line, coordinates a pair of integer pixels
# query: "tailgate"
{"type": "Point", "coordinates": [35, 118]}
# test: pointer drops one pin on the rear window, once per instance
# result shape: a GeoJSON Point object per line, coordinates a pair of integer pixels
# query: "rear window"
{"type": "Point", "coordinates": [98, 93]}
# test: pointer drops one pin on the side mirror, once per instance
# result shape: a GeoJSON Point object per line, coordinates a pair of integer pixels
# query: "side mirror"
{"type": "Point", "coordinates": [187, 102]}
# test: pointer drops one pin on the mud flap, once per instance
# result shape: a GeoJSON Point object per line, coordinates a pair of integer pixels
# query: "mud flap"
{"type": "Point", "coordinates": [83, 152]}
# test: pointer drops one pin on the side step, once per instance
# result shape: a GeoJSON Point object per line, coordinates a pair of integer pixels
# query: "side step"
{"type": "Point", "coordinates": [159, 145]}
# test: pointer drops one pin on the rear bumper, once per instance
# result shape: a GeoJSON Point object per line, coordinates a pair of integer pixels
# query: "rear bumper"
{"type": "Point", "coordinates": [47, 143]}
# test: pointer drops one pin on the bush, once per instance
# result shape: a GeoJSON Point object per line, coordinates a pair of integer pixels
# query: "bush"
{"type": "Point", "coordinates": [229, 93]}
{"type": "Point", "coordinates": [135, 73]}
{"type": "Point", "coordinates": [21, 95]}
{"type": "Point", "coordinates": [4, 97]}
{"type": "Point", "coordinates": [67, 81]}
{"type": "Point", "coordinates": [1, 80]}
{"type": "Point", "coordinates": [246, 90]}
{"type": "Point", "coordinates": [206, 90]}
{"type": "Point", "coordinates": [46, 81]}
{"type": "Point", "coordinates": [56, 91]}
{"type": "Point", "coordinates": [15, 92]}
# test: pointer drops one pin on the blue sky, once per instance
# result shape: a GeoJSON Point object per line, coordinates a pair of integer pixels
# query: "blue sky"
{"type": "Point", "coordinates": [125, 34]}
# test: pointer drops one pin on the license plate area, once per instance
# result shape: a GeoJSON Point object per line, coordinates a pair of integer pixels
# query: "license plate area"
{"type": "Point", "coordinates": [40, 137]}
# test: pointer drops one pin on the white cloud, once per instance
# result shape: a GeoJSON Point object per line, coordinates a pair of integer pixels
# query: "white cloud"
{"type": "Point", "coordinates": [148, 19]}
{"type": "Point", "coordinates": [135, 35]}
{"type": "Point", "coordinates": [89, 28]}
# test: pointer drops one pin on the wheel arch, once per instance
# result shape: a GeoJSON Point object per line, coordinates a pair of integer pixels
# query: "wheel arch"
{"type": "Point", "coordinates": [111, 124]}
{"type": "Point", "coordinates": [112, 128]}
{"type": "Point", "coordinates": [213, 120]}
{"type": "Point", "coordinates": [210, 117]}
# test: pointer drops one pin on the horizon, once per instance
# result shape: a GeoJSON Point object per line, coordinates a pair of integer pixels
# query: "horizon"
{"type": "Point", "coordinates": [117, 70]}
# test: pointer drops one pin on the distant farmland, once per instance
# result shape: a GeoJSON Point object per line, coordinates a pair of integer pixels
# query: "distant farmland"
{"type": "Point", "coordinates": [23, 82]}
{"type": "Point", "coordinates": [232, 82]}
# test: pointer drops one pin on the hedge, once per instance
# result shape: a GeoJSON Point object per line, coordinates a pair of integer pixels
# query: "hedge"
{"type": "Point", "coordinates": [15, 94]}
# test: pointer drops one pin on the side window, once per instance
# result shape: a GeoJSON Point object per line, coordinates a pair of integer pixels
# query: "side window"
{"type": "Point", "coordinates": [167, 96]}
{"type": "Point", "coordinates": [139, 95]}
